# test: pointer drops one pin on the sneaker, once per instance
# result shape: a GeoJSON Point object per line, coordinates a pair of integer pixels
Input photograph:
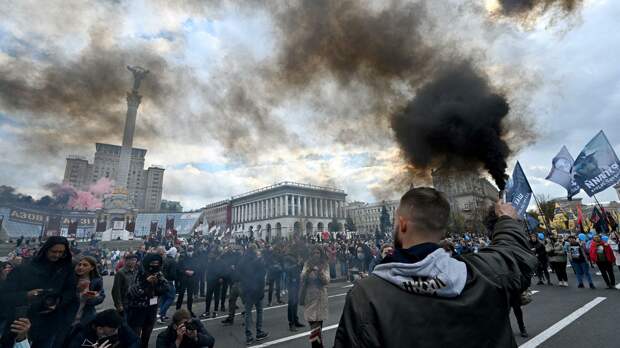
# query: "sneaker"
{"type": "Point", "coordinates": [580, 286]}
{"type": "Point", "coordinates": [268, 304]}
{"type": "Point", "coordinates": [223, 309]}
{"type": "Point", "coordinates": [204, 315]}
{"type": "Point", "coordinates": [524, 334]}
{"type": "Point", "coordinates": [249, 340]}
{"type": "Point", "coordinates": [228, 321]}
{"type": "Point", "coordinates": [161, 321]}
{"type": "Point", "coordinates": [592, 286]}
{"type": "Point", "coordinates": [261, 335]}
{"type": "Point", "coordinates": [280, 302]}
{"type": "Point", "coordinates": [292, 328]}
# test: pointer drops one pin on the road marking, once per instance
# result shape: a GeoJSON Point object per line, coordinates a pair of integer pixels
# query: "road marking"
{"type": "Point", "coordinates": [226, 316]}
{"type": "Point", "coordinates": [294, 337]}
{"type": "Point", "coordinates": [347, 286]}
{"type": "Point", "coordinates": [557, 327]}
{"type": "Point", "coordinates": [535, 292]}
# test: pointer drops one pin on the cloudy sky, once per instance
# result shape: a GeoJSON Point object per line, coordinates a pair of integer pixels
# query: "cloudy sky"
{"type": "Point", "coordinates": [241, 95]}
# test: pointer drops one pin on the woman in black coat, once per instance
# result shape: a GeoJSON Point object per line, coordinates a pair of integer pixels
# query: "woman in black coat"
{"type": "Point", "coordinates": [44, 287]}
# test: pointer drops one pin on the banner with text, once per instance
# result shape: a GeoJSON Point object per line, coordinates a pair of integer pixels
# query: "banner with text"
{"type": "Point", "coordinates": [597, 167]}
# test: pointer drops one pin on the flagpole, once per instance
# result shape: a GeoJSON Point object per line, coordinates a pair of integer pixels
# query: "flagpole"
{"type": "Point", "coordinates": [603, 212]}
{"type": "Point", "coordinates": [547, 226]}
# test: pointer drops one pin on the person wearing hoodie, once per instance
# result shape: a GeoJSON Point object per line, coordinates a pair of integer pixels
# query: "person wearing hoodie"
{"type": "Point", "coordinates": [601, 253]}
{"type": "Point", "coordinates": [170, 273]}
{"type": "Point", "coordinates": [46, 287]}
{"type": "Point", "coordinates": [466, 298]}
{"type": "Point", "coordinates": [538, 249]}
{"type": "Point", "coordinates": [557, 259]}
{"type": "Point", "coordinates": [143, 295]}
{"type": "Point", "coordinates": [579, 261]}
{"type": "Point", "coordinates": [106, 329]}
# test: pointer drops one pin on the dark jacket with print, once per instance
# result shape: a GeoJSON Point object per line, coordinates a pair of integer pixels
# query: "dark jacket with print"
{"type": "Point", "coordinates": [464, 303]}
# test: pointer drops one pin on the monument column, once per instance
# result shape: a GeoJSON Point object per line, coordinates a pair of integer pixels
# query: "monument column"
{"type": "Point", "coordinates": [133, 102]}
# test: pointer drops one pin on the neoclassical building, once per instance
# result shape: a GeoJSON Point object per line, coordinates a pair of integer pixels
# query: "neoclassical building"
{"type": "Point", "coordinates": [284, 209]}
{"type": "Point", "coordinates": [367, 216]}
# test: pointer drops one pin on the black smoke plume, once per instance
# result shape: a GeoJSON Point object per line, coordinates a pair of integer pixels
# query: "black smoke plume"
{"type": "Point", "coordinates": [528, 7]}
{"type": "Point", "coordinates": [455, 122]}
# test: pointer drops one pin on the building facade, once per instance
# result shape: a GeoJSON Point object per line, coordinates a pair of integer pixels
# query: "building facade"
{"type": "Point", "coordinates": [468, 193]}
{"type": "Point", "coordinates": [218, 215]}
{"type": "Point", "coordinates": [281, 210]}
{"type": "Point", "coordinates": [367, 217]}
{"type": "Point", "coordinates": [144, 186]}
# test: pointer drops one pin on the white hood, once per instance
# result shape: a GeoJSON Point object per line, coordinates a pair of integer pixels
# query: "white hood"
{"type": "Point", "coordinates": [437, 274]}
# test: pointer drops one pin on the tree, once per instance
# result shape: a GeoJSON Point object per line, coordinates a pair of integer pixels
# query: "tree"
{"type": "Point", "coordinates": [349, 225]}
{"type": "Point", "coordinates": [334, 226]}
{"type": "Point", "coordinates": [547, 208]}
{"type": "Point", "coordinates": [384, 221]}
{"type": "Point", "coordinates": [456, 224]}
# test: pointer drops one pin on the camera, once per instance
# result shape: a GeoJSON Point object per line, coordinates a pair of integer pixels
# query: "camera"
{"type": "Point", "coordinates": [190, 326]}
{"type": "Point", "coordinates": [112, 340]}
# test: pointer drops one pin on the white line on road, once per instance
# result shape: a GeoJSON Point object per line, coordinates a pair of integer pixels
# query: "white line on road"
{"type": "Point", "coordinates": [294, 337]}
{"type": "Point", "coordinates": [557, 327]}
{"type": "Point", "coordinates": [226, 316]}
{"type": "Point", "coordinates": [347, 286]}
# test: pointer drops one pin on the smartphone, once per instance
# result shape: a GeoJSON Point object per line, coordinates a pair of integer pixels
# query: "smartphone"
{"type": "Point", "coordinates": [21, 312]}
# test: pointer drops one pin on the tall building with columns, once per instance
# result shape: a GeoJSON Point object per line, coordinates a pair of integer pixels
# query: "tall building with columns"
{"type": "Point", "coordinates": [285, 209]}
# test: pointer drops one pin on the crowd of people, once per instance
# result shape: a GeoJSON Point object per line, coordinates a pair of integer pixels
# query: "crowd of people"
{"type": "Point", "coordinates": [52, 296]}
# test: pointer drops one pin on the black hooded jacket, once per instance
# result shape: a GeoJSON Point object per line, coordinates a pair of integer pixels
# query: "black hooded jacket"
{"type": "Point", "coordinates": [439, 301]}
{"type": "Point", "coordinates": [57, 279]}
{"type": "Point", "coordinates": [141, 292]}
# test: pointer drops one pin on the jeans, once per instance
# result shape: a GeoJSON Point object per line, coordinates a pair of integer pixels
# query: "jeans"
{"type": "Point", "coordinates": [581, 269]}
{"type": "Point", "coordinates": [167, 300]}
{"type": "Point", "coordinates": [293, 302]}
{"type": "Point", "coordinates": [274, 278]}
{"type": "Point", "coordinates": [213, 293]}
{"type": "Point", "coordinates": [249, 303]}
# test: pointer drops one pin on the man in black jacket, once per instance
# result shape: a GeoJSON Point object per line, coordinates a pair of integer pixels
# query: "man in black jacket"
{"type": "Point", "coordinates": [187, 273]}
{"type": "Point", "coordinates": [542, 269]}
{"type": "Point", "coordinates": [106, 330]}
{"type": "Point", "coordinates": [45, 287]}
{"type": "Point", "coordinates": [185, 332]}
{"type": "Point", "coordinates": [252, 280]}
{"type": "Point", "coordinates": [170, 271]}
{"type": "Point", "coordinates": [421, 296]}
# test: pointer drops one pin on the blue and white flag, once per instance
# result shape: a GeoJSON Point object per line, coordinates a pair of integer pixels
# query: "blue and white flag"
{"type": "Point", "coordinates": [561, 167]}
{"type": "Point", "coordinates": [518, 190]}
{"type": "Point", "coordinates": [597, 167]}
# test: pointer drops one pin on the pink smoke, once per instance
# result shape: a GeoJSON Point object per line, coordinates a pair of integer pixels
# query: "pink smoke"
{"type": "Point", "coordinates": [93, 198]}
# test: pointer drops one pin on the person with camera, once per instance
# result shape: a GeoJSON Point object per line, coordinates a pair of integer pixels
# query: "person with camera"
{"type": "Point", "coordinates": [185, 332]}
{"type": "Point", "coordinates": [106, 330]}
{"type": "Point", "coordinates": [143, 296]}
{"type": "Point", "coordinates": [44, 288]}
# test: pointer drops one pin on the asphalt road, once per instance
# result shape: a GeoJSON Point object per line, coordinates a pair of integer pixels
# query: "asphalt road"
{"type": "Point", "coordinates": [558, 317]}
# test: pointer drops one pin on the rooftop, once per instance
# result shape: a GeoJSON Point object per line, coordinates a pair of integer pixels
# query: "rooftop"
{"type": "Point", "coordinates": [289, 184]}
